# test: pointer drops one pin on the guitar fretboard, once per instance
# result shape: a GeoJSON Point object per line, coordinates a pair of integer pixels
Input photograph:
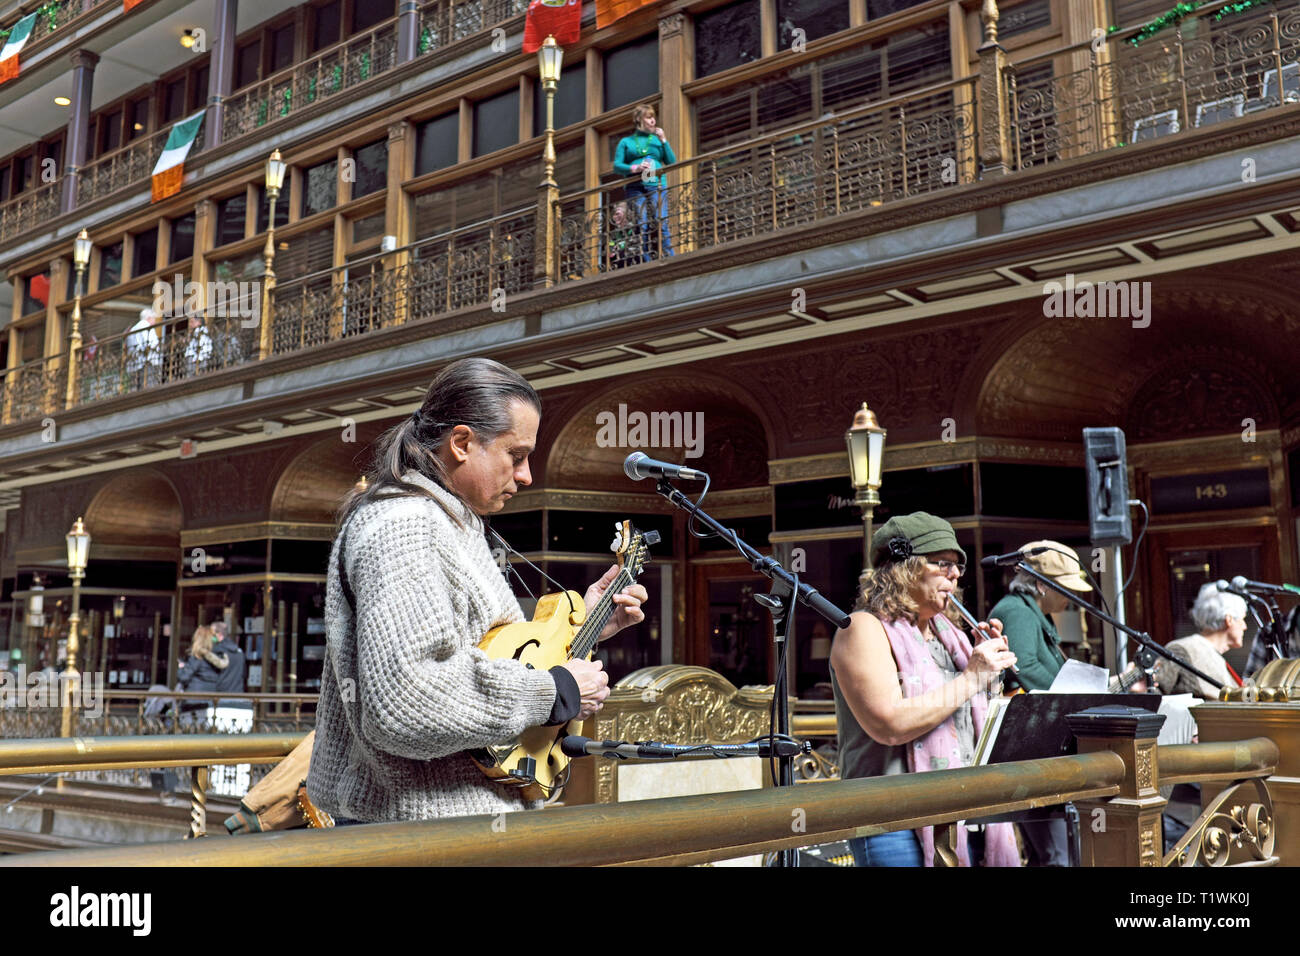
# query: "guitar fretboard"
{"type": "Point", "coordinates": [589, 633]}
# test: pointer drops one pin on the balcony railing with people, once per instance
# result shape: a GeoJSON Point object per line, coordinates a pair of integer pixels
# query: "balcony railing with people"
{"type": "Point", "coordinates": [470, 266]}
{"type": "Point", "coordinates": [911, 145]}
{"type": "Point", "coordinates": [340, 67]}
{"type": "Point", "coordinates": [905, 146]}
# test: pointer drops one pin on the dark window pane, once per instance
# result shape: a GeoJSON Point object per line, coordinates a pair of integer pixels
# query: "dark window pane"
{"type": "Point", "coordinates": [496, 122]}
{"type": "Point", "coordinates": [33, 343]}
{"type": "Point", "coordinates": [54, 150]}
{"type": "Point", "coordinates": [727, 37]}
{"type": "Point", "coordinates": [36, 292]}
{"type": "Point", "coordinates": [198, 88]}
{"type": "Point", "coordinates": [372, 169]}
{"type": "Point", "coordinates": [248, 62]}
{"type": "Point", "coordinates": [570, 100]}
{"type": "Point", "coordinates": [174, 100]}
{"type": "Point", "coordinates": [437, 143]}
{"type": "Point", "coordinates": [146, 253]}
{"type": "Point", "coordinates": [182, 237]}
{"type": "Point", "coordinates": [4, 182]}
{"type": "Point", "coordinates": [231, 214]}
{"type": "Point", "coordinates": [306, 253]}
{"type": "Point", "coordinates": [1025, 17]}
{"type": "Point", "coordinates": [328, 20]}
{"type": "Point", "coordinates": [883, 8]}
{"type": "Point", "coordinates": [282, 48]}
{"type": "Point", "coordinates": [367, 13]}
{"type": "Point", "coordinates": [110, 265]}
{"type": "Point", "coordinates": [916, 59]}
{"type": "Point", "coordinates": [631, 72]}
{"type": "Point", "coordinates": [320, 188]}
{"type": "Point", "coordinates": [850, 79]}
{"type": "Point", "coordinates": [110, 126]}
{"type": "Point", "coordinates": [138, 118]}
{"type": "Point", "coordinates": [24, 179]}
{"type": "Point", "coordinates": [264, 205]}
{"type": "Point", "coordinates": [816, 18]}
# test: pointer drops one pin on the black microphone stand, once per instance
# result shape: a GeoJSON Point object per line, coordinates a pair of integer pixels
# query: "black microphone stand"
{"type": "Point", "coordinates": [1149, 646]}
{"type": "Point", "coordinates": [778, 603]}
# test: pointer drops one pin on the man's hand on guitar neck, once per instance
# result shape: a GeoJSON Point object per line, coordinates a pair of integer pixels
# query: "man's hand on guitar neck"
{"type": "Point", "coordinates": [593, 685]}
{"type": "Point", "coordinates": [628, 603]}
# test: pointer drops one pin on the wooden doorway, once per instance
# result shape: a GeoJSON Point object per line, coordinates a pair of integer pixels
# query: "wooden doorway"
{"type": "Point", "coordinates": [1179, 562]}
{"type": "Point", "coordinates": [729, 631]}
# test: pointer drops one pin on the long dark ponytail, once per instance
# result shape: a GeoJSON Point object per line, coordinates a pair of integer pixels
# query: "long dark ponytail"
{"type": "Point", "coordinates": [474, 391]}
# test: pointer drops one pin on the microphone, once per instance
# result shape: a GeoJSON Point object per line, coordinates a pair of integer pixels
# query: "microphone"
{"type": "Point", "coordinates": [1223, 585]}
{"type": "Point", "coordinates": [573, 746]}
{"type": "Point", "coordinates": [1240, 582]}
{"type": "Point", "coordinates": [1010, 558]}
{"type": "Point", "coordinates": [639, 465]}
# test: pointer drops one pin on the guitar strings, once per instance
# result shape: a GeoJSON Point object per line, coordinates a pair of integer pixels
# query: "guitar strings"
{"type": "Point", "coordinates": [519, 577]}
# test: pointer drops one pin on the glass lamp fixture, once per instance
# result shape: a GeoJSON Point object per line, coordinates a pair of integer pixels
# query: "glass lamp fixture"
{"type": "Point", "coordinates": [275, 168]}
{"type": "Point", "coordinates": [78, 548]}
{"type": "Point", "coordinates": [550, 58]}
{"type": "Point", "coordinates": [81, 249]}
{"type": "Point", "coordinates": [866, 444]}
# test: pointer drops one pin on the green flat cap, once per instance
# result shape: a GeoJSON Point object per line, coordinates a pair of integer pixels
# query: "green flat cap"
{"type": "Point", "coordinates": [924, 532]}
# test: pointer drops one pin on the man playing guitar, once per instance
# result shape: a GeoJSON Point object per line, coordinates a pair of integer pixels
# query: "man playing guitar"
{"type": "Point", "coordinates": [412, 588]}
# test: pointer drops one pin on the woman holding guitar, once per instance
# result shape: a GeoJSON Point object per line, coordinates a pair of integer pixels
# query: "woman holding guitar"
{"type": "Point", "coordinates": [412, 589]}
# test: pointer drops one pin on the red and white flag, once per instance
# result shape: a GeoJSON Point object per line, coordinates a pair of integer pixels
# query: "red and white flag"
{"type": "Point", "coordinates": [561, 19]}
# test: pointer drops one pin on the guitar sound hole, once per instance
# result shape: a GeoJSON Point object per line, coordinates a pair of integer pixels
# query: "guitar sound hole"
{"type": "Point", "coordinates": [524, 646]}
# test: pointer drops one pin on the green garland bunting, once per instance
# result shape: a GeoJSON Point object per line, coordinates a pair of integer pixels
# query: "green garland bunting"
{"type": "Point", "coordinates": [1182, 11]}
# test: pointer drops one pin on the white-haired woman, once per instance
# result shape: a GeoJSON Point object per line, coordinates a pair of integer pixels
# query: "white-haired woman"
{"type": "Point", "coordinates": [1221, 618]}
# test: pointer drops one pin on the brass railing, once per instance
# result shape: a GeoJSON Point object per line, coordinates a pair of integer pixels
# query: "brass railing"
{"type": "Point", "coordinates": [117, 754]}
{"type": "Point", "coordinates": [443, 22]}
{"type": "Point", "coordinates": [30, 208]}
{"type": "Point", "coordinates": [905, 146]}
{"type": "Point", "coordinates": [341, 67]}
{"type": "Point", "coordinates": [126, 167]}
{"type": "Point", "coordinates": [477, 265]}
{"type": "Point", "coordinates": [34, 390]}
{"type": "Point", "coordinates": [1195, 73]}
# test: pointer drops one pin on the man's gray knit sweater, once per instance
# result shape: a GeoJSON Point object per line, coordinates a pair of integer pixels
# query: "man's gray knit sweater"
{"type": "Point", "coordinates": [405, 689]}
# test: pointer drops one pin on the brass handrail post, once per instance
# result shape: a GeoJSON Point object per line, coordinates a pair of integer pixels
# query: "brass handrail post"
{"type": "Point", "coordinates": [993, 120]}
{"type": "Point", "coordinates": [198, 802]}
{"type": "Point", "coordinates": [1124, 830]}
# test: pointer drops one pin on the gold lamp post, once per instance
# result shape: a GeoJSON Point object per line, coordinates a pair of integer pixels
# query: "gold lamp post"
{"type": "Point", "coordinates": [866, 442]}
{"type": "Point", "coordinates": [80, 259]}
{"type": "Point", "coordinates": [550, 58]}
{"type": "Point", "coordinates": [78, 555]}
{"type": "Point", "coordinates": [275, 169]}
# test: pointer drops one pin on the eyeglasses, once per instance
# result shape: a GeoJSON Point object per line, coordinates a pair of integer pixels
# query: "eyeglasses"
{"type": "Point", "coordinates": [946, 566]}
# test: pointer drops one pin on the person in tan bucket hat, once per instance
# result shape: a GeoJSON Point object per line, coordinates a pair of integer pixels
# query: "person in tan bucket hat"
{"type": "Point", "coordinates": [1026, 612]}
{"type": "Point", "coordinates": [1026, 619]}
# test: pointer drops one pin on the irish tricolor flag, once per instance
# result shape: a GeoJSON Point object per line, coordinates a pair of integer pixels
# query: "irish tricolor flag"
{"type": "Point", "coordinates": [17, 39]}
{"type": "Point", "coordinates": [171, 164]}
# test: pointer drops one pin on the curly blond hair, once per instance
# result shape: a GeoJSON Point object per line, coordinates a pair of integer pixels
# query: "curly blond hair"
{"type": "Point", "coordinates": [885, 591]}
{"type": "Point", "coordinates": [201, 646]}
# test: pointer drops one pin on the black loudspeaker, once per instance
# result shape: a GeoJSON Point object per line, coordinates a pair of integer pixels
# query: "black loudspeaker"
{"type": "Point", "coordinates": [1108, 517]}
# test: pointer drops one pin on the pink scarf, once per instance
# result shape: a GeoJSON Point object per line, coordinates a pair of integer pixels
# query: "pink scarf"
{"type": "Point", "coordinates": [939, 749]}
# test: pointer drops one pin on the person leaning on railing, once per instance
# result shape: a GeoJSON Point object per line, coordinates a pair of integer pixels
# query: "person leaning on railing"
{"type": "Point", "coordinates": [202, 671]}
{"type": "Point", "coordinates": [643, 154]}
{"type": "Point", "coordinates": [909, 689]}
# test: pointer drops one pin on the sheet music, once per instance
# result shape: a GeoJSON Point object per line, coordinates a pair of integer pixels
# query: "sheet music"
{"type": "Point", "coordinates": [1076, 677]}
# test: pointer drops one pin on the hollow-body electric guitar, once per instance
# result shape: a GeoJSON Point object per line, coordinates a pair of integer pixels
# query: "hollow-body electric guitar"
{"type": "Point", "coordinates": [560, 631]}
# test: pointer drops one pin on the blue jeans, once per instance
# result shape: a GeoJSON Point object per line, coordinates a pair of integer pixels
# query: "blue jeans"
{"type": "Point", "coordinates": [900, 848]}
{"type": "Point", "coordinates": [645, 198]}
